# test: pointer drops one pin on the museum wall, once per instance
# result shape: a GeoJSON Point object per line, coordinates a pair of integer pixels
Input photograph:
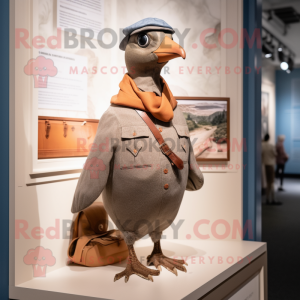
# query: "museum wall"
{"type": "Point", "coordinates": [43, 199]}
{"type": "Point", "coordinates": [288, 116]}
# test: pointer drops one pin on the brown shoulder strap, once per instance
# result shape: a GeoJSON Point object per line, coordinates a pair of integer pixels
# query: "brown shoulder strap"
{"type": "Point", "coordinates": [162, 144]}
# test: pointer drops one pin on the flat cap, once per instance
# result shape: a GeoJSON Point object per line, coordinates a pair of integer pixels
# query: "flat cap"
{"type": "Point", "coordinates": [147, 23]}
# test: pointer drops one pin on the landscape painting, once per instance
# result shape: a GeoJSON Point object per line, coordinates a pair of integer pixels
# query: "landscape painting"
{"type": "Point", "coordinates": [208, 120]}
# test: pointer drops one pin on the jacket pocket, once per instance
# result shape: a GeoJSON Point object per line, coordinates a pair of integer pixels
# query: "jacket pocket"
{"type": "Point", "coordinates": [134, 147]}
{"type": "Point", "coordinates": [182, 147]}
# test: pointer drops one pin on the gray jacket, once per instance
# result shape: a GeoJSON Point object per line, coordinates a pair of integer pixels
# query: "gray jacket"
{"type": "Point", "coordinates": [142, 192]}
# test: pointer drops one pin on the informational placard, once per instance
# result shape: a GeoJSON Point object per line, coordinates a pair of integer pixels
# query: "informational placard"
{"type": "Point", "coordinates": [80, 14]}
{"type": "Point", "coordinates": [66, 87]}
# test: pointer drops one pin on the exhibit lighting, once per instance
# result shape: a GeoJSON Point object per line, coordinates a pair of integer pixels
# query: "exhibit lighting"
{"type": "Point", "coordinates": [284, 66]}
{"type": "Point", "coordinates": [271, 44]}
{"type": "Point", "coordinates": [268, 50]}
{"type": "Point", "coordinates": [291, 64]}
{"type": "Point", "coordinates": [281, 55]}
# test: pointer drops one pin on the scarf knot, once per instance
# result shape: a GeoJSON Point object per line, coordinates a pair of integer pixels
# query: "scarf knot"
{"type": "Point", "coordinates": [160, 107]}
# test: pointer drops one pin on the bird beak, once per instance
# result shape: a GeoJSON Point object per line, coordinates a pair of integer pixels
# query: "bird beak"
{"type": "Point", "coordinates": [169, 50]}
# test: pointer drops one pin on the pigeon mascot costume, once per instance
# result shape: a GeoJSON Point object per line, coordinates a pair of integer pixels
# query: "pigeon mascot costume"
{"type": "Point", "coordinates": [142, 171]}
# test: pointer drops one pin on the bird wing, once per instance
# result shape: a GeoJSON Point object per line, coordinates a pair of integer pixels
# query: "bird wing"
{"type": "Point", "coordinates": [94, 175]}
{"type": "Point", "coordinates": [195, 178]}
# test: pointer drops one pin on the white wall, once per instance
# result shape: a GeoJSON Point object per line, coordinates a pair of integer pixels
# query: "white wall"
{"type": "Point", "coordinates": [41, 205]}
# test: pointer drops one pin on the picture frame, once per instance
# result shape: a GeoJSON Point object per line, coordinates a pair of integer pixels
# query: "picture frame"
{"type": "Point", "coordinates": [208, 119]}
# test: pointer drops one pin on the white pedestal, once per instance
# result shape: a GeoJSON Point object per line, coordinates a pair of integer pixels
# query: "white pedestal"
{"type": "Point", "coordinates": [210, 263]}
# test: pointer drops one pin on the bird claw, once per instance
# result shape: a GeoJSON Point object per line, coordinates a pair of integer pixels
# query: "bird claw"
{"type": "Point", "coordinates": [174, 271]}
{"type": "Point", "coordinates": [138, 269]}
{"type": "Point", "coordinates": [172, 265]}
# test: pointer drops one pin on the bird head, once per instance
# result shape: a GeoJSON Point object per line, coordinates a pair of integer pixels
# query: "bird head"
{"type": "Point", "coordinates": [149, 46]}
{"type": "Point", "coordinates": [148, 51]}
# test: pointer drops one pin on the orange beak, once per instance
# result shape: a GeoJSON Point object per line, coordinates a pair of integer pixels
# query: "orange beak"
{"type": "Point", "coordinates": [169, 50]}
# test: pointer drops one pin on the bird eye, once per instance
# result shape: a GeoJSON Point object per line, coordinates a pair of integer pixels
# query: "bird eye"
{"type": "Point", "coordinates": [143, 40]}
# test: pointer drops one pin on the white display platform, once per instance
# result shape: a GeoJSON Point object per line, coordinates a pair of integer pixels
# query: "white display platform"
{"type": "Point", "coordinates": [98, 283]}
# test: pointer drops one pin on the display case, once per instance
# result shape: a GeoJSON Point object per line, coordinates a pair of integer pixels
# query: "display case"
{"type": "Point", "coordinates": [65, 137]}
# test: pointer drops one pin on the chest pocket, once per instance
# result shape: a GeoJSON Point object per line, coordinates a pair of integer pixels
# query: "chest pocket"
{"type": "Point", "coordinates": [182, 147]}
{"type": "Point", "coordinates": [134, 147]}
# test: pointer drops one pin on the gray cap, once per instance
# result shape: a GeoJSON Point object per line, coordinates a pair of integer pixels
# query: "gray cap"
{"type": "Point", "coordinates": [145, 24]}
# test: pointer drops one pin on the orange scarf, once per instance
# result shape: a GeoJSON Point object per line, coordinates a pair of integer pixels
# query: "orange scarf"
{"type": "Point", "coordinates": [160, 107]}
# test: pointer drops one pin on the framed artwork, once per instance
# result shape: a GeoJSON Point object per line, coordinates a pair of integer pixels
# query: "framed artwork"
{"type": "Point", "coordinates": [208, 120]}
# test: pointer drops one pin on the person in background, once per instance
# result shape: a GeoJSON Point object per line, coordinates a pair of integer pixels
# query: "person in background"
{"type": "Point", "coordinates": [282, 158]}
{"type": "Point", "coordinates": [269, 160]}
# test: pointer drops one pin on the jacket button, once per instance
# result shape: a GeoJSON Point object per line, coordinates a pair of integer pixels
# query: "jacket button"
{"type": "Point", "coordinates": [166, 186]}
{"type": "Point", "coordinates": [166, 171]}
{"type": "Point", "coordinates": [160, 130]}
{"type": "Point", "coordinates": [134, 134]}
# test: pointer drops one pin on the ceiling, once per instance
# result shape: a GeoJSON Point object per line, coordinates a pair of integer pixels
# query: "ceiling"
{"type": "Point", "coordinates": [291, 39]}
{"type": "Point", "coordinates": [275, 2]}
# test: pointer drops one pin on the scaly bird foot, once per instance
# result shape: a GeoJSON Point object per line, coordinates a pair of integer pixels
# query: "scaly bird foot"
{"type": "Point", "coordinates": [135, 267]}
{"type": "Point", "coordinates": [158, 259]}
{"type": "Point", "coordinates": [170, 264]}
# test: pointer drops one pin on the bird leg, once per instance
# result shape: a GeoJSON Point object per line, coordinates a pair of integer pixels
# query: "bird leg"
{"type": "Point", "coordinates": [158, 259]}
{"type": "Point", "coordinates": [134, 266]}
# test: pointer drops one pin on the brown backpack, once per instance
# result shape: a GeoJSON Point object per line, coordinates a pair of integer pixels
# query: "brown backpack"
{"type": "Point", "coordinates": [92, 245]}
{"type": "Point", "coordinates": [90, 221]}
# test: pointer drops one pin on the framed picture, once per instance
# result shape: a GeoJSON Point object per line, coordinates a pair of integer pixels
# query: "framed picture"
{"type": "Point", "coordinates": [208, 120]}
